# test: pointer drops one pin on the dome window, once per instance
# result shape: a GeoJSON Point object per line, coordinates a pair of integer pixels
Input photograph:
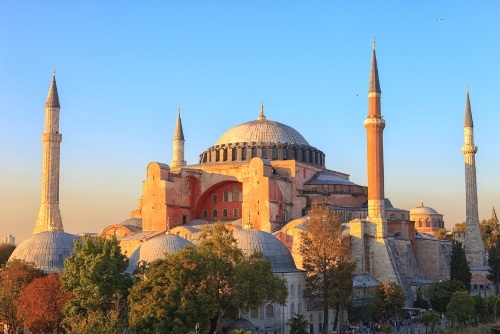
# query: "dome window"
{"type": "Point", "coordinates": [214, 199]}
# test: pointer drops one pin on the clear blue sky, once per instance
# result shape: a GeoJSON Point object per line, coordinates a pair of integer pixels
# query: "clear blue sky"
{"type": "Point", "coordinates": [124, 67]}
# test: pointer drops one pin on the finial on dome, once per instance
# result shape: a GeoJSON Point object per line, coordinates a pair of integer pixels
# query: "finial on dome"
{"type": "Point", "coordinates": [261, 117]}
{"type": "Point", "coordinates": [421, 203]}
{"type": "Point", "coordinates": [248, 225]}
{"type": "Point", "coordinates": [373, 43]}
{"type": "Point", "coordinates": [54, 72]}
{"type": "Point", "coordinates": [168, 226]}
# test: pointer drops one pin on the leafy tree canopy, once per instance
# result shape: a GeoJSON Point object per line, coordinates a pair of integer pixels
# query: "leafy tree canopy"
{"type": "Point", "coordinates": [95, 275]}
{"type": "Point", "coordinates": [201, 285]}
{"type": "Point", "coordinates": [430, 319]}
{"type": "Point", "coordinates": [459, 268]}
{"type": "Point", "coordinates": [298, 324]}
{"type": "Point", "coordinates": [326, 253]}
{"type": "Point", "coordinates": [5, 252]}
{"type": "Point", "coordinates": [443, 234]}
{"type": "Point", "coordinates": [461, 307]}
{"type": "Point", "coordinates": [490, 231]}
{"type": "Point", "coordinates": [41, 303]}
{"type": "Point", "coordinates": [459, 227]}
{"type": "Point", "coordinates": [14, 276]}
{"type": "Point", "coordinates": [389, 298]}
{"type": "Point", "coordinates": [440, 293]}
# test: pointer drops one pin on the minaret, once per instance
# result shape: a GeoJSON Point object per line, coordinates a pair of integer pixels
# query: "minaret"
{"type": "Point", "coordinates": [375, 125]}
{"type": "Point", "coordinates": [49, 216]}
{"type": "Point", "coordinates": [178, 143]}
{"type": "Point", "coordinates": [494, 214]}
{"type": "Point", "coordinates": [473, 243]}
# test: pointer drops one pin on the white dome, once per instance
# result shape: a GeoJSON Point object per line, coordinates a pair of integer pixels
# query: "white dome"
{"type": "Point", "coordinates": [423, 210]}
{"type": "Point", "coordinates": [47, 250]}
{"type": "Point", "coordinates": [252, 241]}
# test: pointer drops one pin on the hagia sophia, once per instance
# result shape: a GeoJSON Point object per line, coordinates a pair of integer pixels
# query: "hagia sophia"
{"type": "Point", "coordinates": [260, 178]}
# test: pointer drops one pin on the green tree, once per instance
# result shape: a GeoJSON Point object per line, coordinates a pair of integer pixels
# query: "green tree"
{"type": "Point", "coordinates": [41, 305]}
{"type": "Point", "coordinates": [15, 275]}
{"type": "Point", "coordinates": [490, 232]}
{"type": "Point", "coordinates": [201, 285]}
{"type": "Point", "coordinates": [479, 306]}
{"type": "Point", "coordinates": [459, 268]}
{"type": "Point", "coordinates": [443, 234]}
{"type": "Point", "coordinates": [440, 293]}
{"type": "Point", "coordinates": [461, 307]}
{"type": "Point", "coordinates": [492, 304]}
{"type": "Point", "coordinates": [459, 227]}
{"type": "Point", "coordinates": [298, 324]}
{"type": "Point", "coordinates": [95, 273]}
{"type": "Point", "coordinates": [494, 265]}
{"type": "Point", "coordinates": [5, 252]}
{"type": "Point", "coordinates": [389, 298]}
{"type": "Point", "coordinates": [430, 319]}
{"type": "Point", "coordinates": [326, 253]}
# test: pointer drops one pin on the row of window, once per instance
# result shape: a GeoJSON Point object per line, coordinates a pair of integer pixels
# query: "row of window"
{"type": "Point", "coordinates": [225, 195]}
{"type": "Point", "coordinates": [225, 213]}
{"type": "Point", "coordinates": [435, 223]}
{"type": "Point", "coordinates": [393, 216]}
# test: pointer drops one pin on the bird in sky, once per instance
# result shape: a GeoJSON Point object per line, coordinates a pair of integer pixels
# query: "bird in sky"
{"type": "Point", "coordinates": [439, 19]}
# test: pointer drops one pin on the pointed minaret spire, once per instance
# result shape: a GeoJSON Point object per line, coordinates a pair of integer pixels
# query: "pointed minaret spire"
{"type": "Point", "coordinates": [178, 143]}
{"type": "Point", "coordinates": [49, 216]}
{"type": "Point", "coordinates": [261, 117]}
{"type": "Point", "coordinates": [494, 214]}
{"type": "Point", "coordinates": [473, 242]}
{"type": "Point", "coordinates": [374, 125]}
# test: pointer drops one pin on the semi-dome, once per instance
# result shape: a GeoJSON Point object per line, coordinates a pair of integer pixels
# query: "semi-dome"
{"type": "Point", "coordinates": [156, 248]}
{"type": "Point", "coordinates": [137, 222]}
{"type": "Point", "coordinates": [47, 250]}
{"type": "Point", "coordinates": [242, 324]}
{"type": "Point", "coordinates": [265, 139]}
{"type": "Point", "coordinates": [252, 241]}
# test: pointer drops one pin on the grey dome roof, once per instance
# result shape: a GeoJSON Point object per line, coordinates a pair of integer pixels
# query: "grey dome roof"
{"type": "Point", "coordinates": [156, 248]}
{"type": "Point", "coordinates": [251, 241]}
{"type": "Point", "coordinates": [241, 323]}
{"type": "Point", "coordinates": [423, 210]}
{"type": "Point", "coordinates": [47, 250]}
{"type": "Point", "coordinates": [262, 131]}
{"type": "Point", "coordinates": [137, 222]}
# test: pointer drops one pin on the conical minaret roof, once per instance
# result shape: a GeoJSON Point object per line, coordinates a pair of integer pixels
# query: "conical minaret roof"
{"type": "Point", "coordinates": [468, 114]}
{"type": "Point", "coordinates": [178, 132]}
{"type": "Point", "coordinates": [52, 97]}
{"type": "Point", "coordinates": [374, 81]}
{"type": "Point", "coordinates": [494, 214]}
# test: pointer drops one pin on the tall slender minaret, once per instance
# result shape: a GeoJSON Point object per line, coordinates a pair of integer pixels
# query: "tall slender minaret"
{"type": "Point", "coordinates": [473, 243]}
{"type": "Point", "coordinates": [49, 216]}
{"type": "Point", "coordinates": [375, 125]}
{"type": "Point", "coordinates": [494, 214]}
{"type": "Point", "coordinates": [178, 143]}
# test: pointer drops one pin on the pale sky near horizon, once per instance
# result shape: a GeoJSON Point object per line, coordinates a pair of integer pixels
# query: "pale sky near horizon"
{"type": "Point", "coordinates": [123, 68]}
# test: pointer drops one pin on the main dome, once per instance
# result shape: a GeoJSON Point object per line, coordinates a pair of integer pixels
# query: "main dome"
{"type": "Point", "coordinates": [264, 139]}
{"type": "Point", "coordinates": [262, 131]}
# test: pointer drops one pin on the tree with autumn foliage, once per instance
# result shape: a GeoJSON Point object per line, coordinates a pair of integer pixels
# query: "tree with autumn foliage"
{"type": "Point", "coordinates": [200, 285]}
{"type": "Point", "coordinates": [389, 298]}
{"type": "Point", "coordinates": [41, 305]}
{"type": "Point", "coordinates": [326, 253]}
{"type": "Point", "coordinates": [5, 252]}
{"type": "Point", "coordinates": [15, 275]}
{"type": "Point", "coordinates": [490, 232]}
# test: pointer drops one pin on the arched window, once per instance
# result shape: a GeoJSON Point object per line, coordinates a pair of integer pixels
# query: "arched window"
{"type": "Point", "coordinates": [254, 152]}
{"type": "Point", "coordinates": [264, 152]}
{"type": "Point", "coordinates": [402, 216]}
{"type": "Point", "coordinates": [217, 155]}
{"type": "Point", "coordinates": [214, 199]}
{"type": "Point", "coordinates": [236, 213]}
{"type": "Point", "coordinates": [225, 196]}
{"type": "Point", "coordinates": [274, 153]}
{"type": "Point", "coordinates": [269, 311]}
{"type": "Point", "coordinates": [299, 291]}
{"type": "Point", "coordinates": [224, 213]}
{"type": "Point", "coordinates": [292, 310]}
{"type": "Point", "coordinates": [254, 314]}
{"type": "Point", "coordinates": [311, 324]}
{"type": "Point", "coordinates": [235, 154]}
{"type": "Point", "coordinates": [236, 193]}
{"type": "Point", "coordinates": [427, 223]}
{"type": "Point", "coordinates": [292, 291]}
{"type": "Point", "coordinates": [244, 153]}
{"type": "Point", "coordinates": [214, 213]}
{"type": "Point", "coordinates": [392, 216]}
{"type": "Point", "coordinates": [224, 155]}
{"type": "Point", "coordinates": [420, 222]}
{"type": "Point", "coordinates": [434, 222]}
{"type": "Point", "coordinates": [205, 214]}
{"type": "Point", "coordinates": [289, 236]}
{"type": "Point", "coordinates": [299, 309]}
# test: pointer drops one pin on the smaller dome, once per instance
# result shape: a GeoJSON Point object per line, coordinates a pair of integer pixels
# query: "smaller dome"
{"type": "Point", "coordinates": [243, 324]}
{"type": "Point", "coordinates": [137, 222]}
{"type": "Point", "coordinates": [423, 210]}
{"type": "Point", "coordinates": [156, 248]}
{"type": "Point", "coordinates": [252, 241]}
{"type": "Point", "coordinates": [47, 250]}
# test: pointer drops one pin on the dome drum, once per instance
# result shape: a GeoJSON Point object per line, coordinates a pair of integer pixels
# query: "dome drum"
{"type": "Point", "coordinates": [272, 151]}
